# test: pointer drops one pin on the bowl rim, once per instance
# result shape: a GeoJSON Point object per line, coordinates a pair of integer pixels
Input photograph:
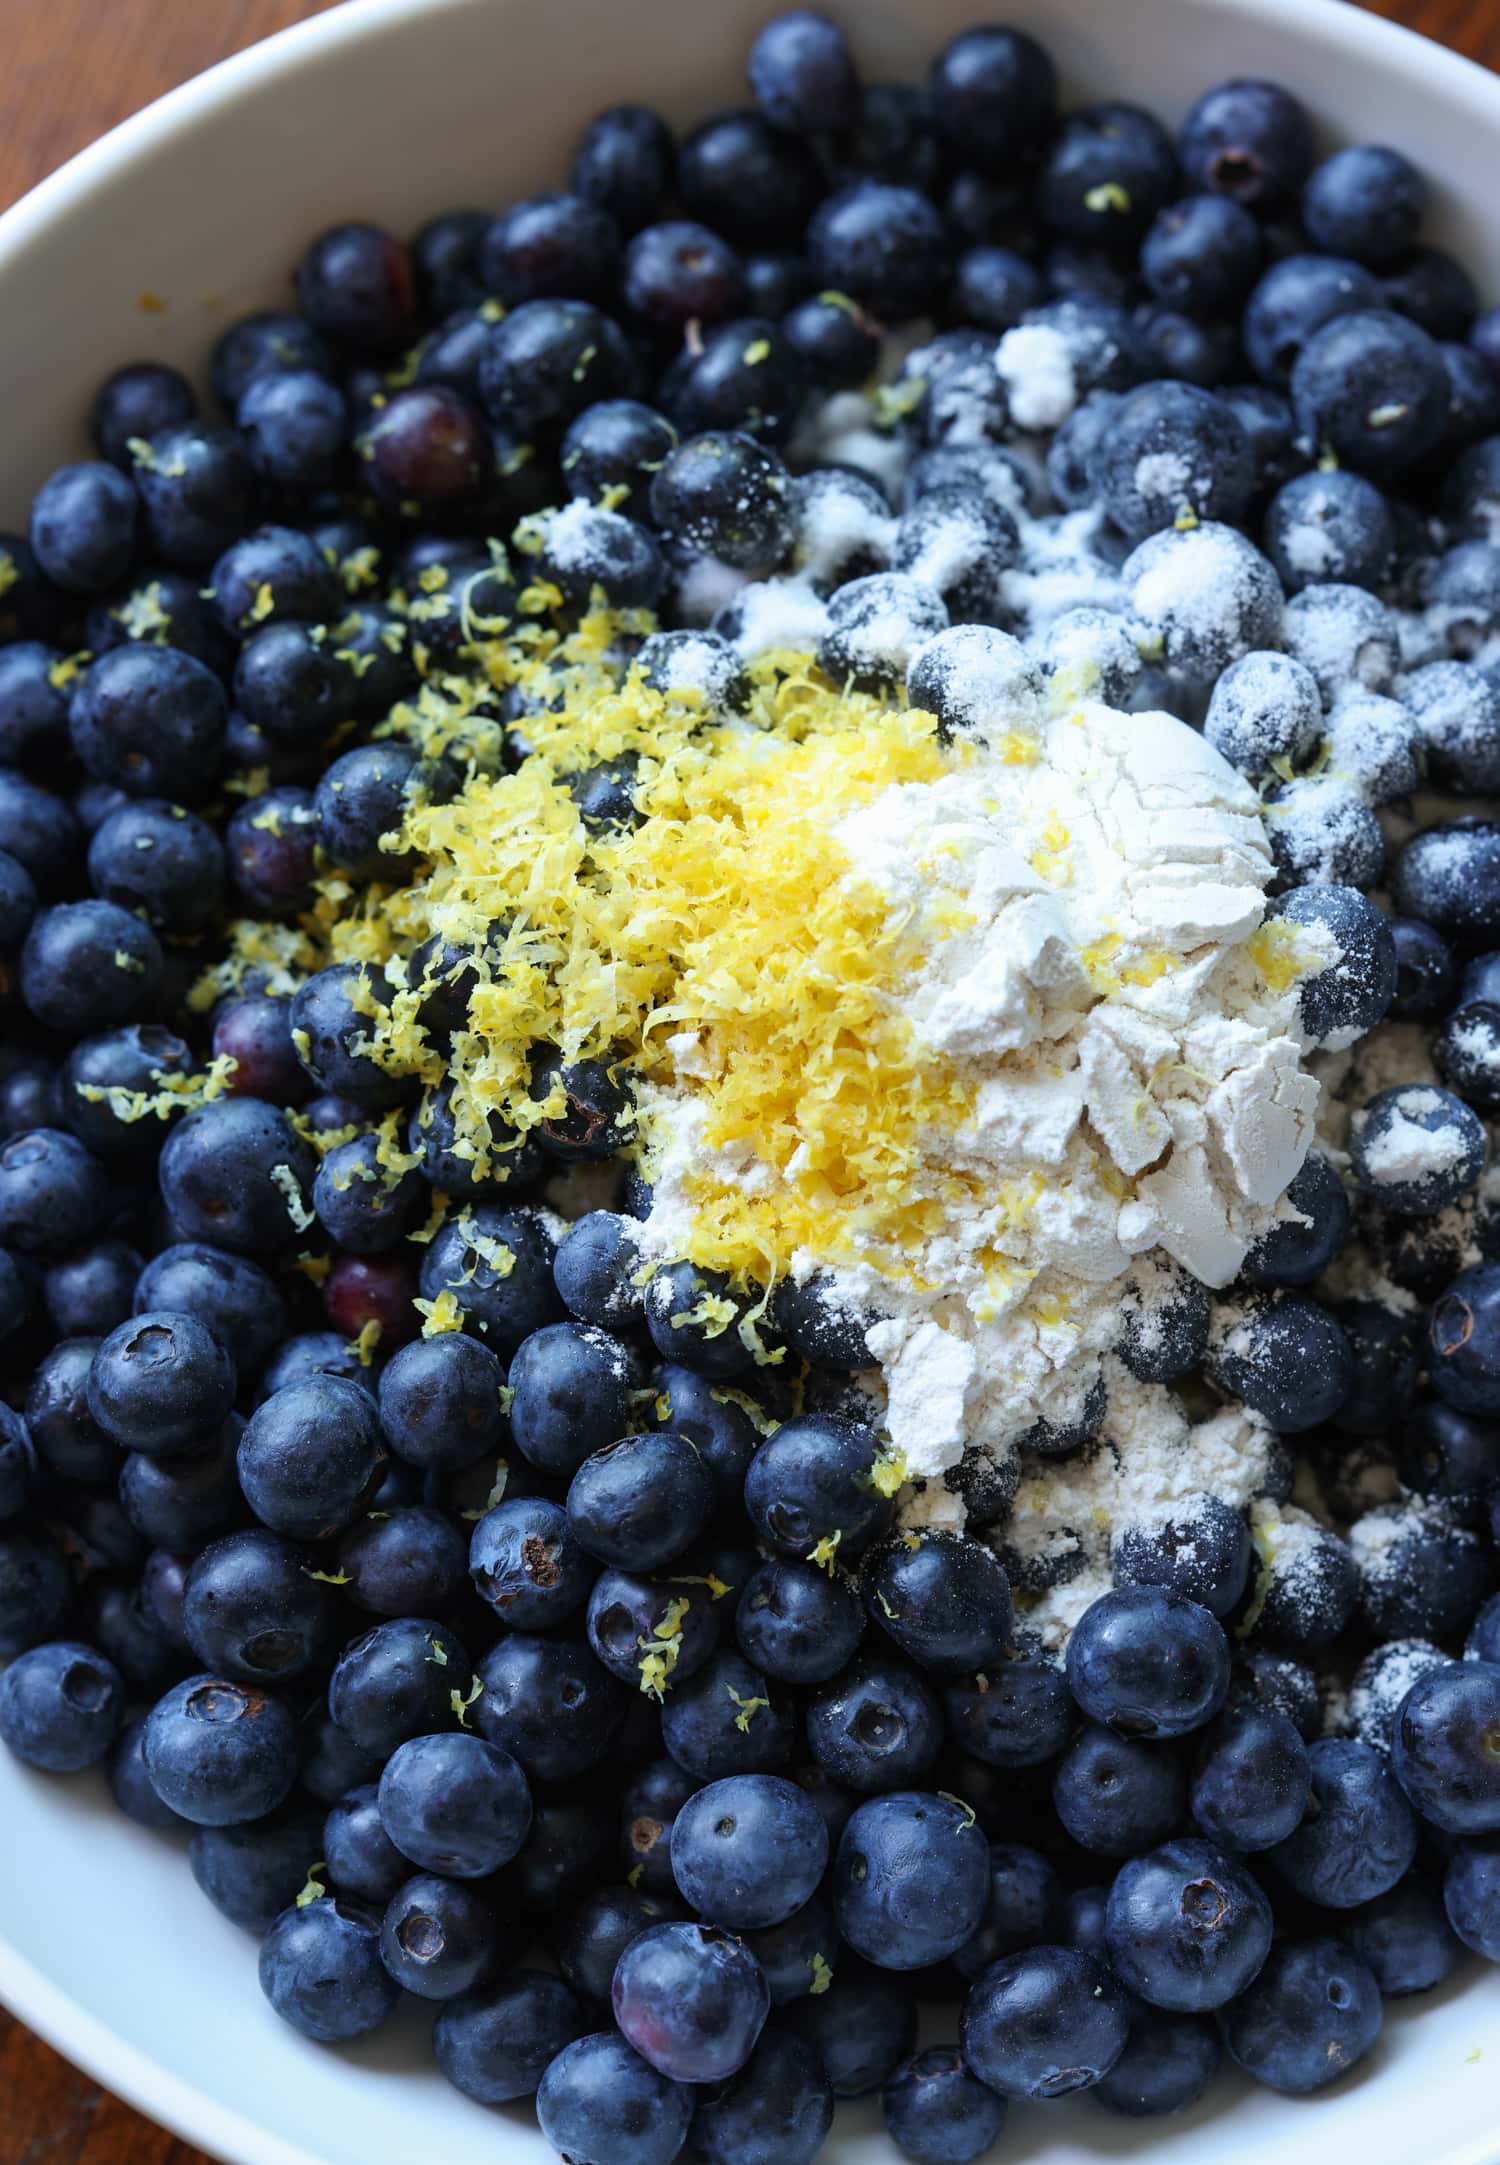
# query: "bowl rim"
{"type": "Point", "coordinates": [185, 2108]}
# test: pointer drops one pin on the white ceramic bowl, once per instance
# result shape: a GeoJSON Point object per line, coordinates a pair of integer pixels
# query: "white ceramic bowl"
{"type": "Point", "coordinates": [394, 109]}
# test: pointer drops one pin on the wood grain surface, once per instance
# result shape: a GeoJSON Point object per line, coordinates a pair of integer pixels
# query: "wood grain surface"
{"type": "Point", "coordinates": [71, 69]}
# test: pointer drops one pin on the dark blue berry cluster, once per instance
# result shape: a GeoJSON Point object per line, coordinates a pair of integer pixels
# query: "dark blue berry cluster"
{"type": "Point", "coordinates": [567, 1670]}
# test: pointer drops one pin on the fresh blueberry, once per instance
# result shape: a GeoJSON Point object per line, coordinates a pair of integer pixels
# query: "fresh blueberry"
{"type": "Point", "coordinates": [547, 361]}
{"type": "Point", "coordinates": [361, 1859]}
{"type": "Point", "coordinates": [748, 1851]}
{"type": "Point", "coordinates": [320, 1968]}
{"type": "Point", "coordinates": [1167, 2064]}
{"type": "Point", "coordinates": [1284, 1356]}
{"type": "Point", "coordinates": [727, 1719]}
{"type": "Point", "coordinates": [1248, 139]}
{"type": "Point", "coordinates": [623, 163]}
{"type": "Point", "coordinates": [1425, 972]}
{"type": "Point", "coordinates": [1293, 301]}
{"type": "Point", "coordinates": [504, 1299]}
{"type": "Point", "coordinates": [495, 2042]}
{"type": "Point", "coordinates": [691, 2000]}
{"type": "Point", "coordinates": [1471, 1896]}
{"type": "Point", "coordinates": [219, 1752]}
{"type": "Point", "coordinates": [1148, 1663]}
{"type": "Point", "coordinates": [251, 1873]}
{"type": "Point", "coordinates": [438, 1936]}
{"type": "Point", "coordinates": [1187, 1927]}
{"type": "Point", "coordinates": [1365, 202]}
{"type": "Point", "coordinates": [1312, 2014]}
{"type": "Point", "coordinates": [1445, 1749]}
{"type": "Point", "coordinates": [1359, 1834]}
{"type": "Point", "coordinates": [410, 1561]}
{"type": "Point", "coordinates": [1043, 2022]}
{"type": "Point", "coordinates": [1253, 1779]}
{"type": "Point", "coordinates": [550, 1704]}
{"type": "Point", "coordinates": [311, 1456]}
{"type": "Point", "coordinates": [252, 1609]}
{"type": "Point", "coordinates": [61, 1706]}
{"type": "Point", "coordinates": [810, 1488]}
{"type": "Point", "coordinates": [83, 527]}
{"type": "Point", "coordinates": [1115, 1795]}
{"type": "Point", "coordinates": [396, 1682]}
{"type": "Point", "coordinates": [1404, 1938]}
{"type": "Point", "coordinates": [161, 1383]}
{"type": "Point", "coordinates": [455, 1804]}
{"type": "Point", "coordinates": [600, 2103]}
{"type": "Point", "coordinates": [1415, 1149]}
{"type": "Point", "coordinates": [910, 1879]}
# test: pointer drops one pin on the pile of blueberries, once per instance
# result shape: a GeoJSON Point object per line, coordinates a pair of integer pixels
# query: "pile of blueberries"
{"type": "Point", "coordinates": [570, 1671]}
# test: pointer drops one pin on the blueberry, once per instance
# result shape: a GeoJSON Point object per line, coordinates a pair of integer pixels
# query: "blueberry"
{"type": "Point", "coordinates": [589, 1113]}
{"type": "Point", "coordinates": [1293, 301]}
{"type": "Point", "coordinates": [746, 179]}
{"type": "Point", "coordinates": [180, 1503]}
{"type": "Point", "coordinates": [151, 721]}
{"type": "Point", "coordinates": [1450, 1457]}
{"type": "Point", "coordinates": [455, 1804]}
{"type": "Point", "coordinates": [296, 428]}
{"type": "Point", "coordinates": [251, 1873]}
{"type": "Point", "coordinates": [623, 163]}
{"type": "Point", "coordinates": [438, 1937]}
{"type": "Point", "coordinates": [1294, 1253]}
{"type": "Point", "coordinates": [33, 708]}
{"type": "Point", "coordinates": [586, 549]}
{"type": "Point", "coordinates": [396, 1682]}
{"type": "Point", "coordinates": [776, 2111]}
{"type": "Point", "coordinates": [595, 1932]}
{"type": "Point", "coordinates": [1166, 578]}
{"type": "Point", "coordinates": [1110, 169]}
{"type": "Point", "coordinates": [748, 1851]}
{"type": "Point", "coordinates": [1371, 388]}
{"type": "Point", "coordinates": [52, 1192]}
{"type": "Point", "coordinates": [600, 2103]}
{"type": "Point", "coordinates": [137, 401]}
{"type": "Point", "coordinates": [1458, 713]}
{"type": "Point", "coordinates": [440, 1402]}
{"type": "Point", "coordinates": [1043, 2022]}
{"type": "Point", "coordinates": [1312, 2014]}
{"type": "Point", "coordinates": [994, 96]}
{"type": "Point", "coordinates": [1252, 1781]}
{"type": "Point", "coordinates": [361, 1859]}
{"type": "Point", "coordinates": [311, 1456]}
{"type": "Point", "coordinates": [1115, 1795]}
{"type": "Point", "coordinates": [798, 1955]}
{"type": "Point", "coordinates": [1250, 140]}
{"type": "Point", "coordinates": [1187, 1927]}
{"type": "Point", "coordinates": [238, 1301]}
{"type": "Point", "coordinates": [1017, 1714]}
{"type": "Point", "coordinates": [1415, 1149]}
{"type": "Point", "coordinates": [862, 2027]}
{"type": "Point", "coordinates": [495, 2042]}
{"type": "Point", "coordinates": [910, 1879]}
{"type": "Point", "coordinates": [252, 1609]}
{"type": "Point", "coordinates": [651, 1634]}
{"type": "Point", "coordinates": [945, 1601]}
{"type": "Point", "coordinates": [83, 527]}
{"type": "Point", "coordinates": [1404, 1938]}
{"type": "Point", "coordinates": [727, 1719]}
{"type": "Point", "coordinates": [1385, 1344]}
{"type": "Point", "coordinates": [725, 495]}
{"type": "Point", "coordinates": [1148, 1663]}
{"type": "Point", "coordinates": [832, 343]}
{"type": "Point", "coordinates": [1446, 1748]}
{"type": "Point", "coordinates": [883, 245]}
{"type": "Point", "coordinates": [639, 1502]}
{"type": "Point", "coordinates": [550, 1704]}
{"type": "Point", "coordinates": [1202, 254]}
{"type": "Point", "coordinates": [1347, 996]}
{"type": "Point", "coordinates": [1359, 1834]}
{"type": "Point", "coordinates": [1022, 1907]}
{"type": "Point", "coordinates": [1167, 2064]}
{"type": "Point", "coordinates": [406, 1562]}
{"type": "Point", "coordinates": [1365, 202]}
{"type": "Point", "coordinates": [797, 1623]}
{"type": "Point", "coordinates": [648, 1810]}
{"type": "Point", "coordinates": [235, 1173]}
{"type": "Point", "coordinates": [595, 1264]}
{"type": "Point", "coordinates": [691, 2000]}
{"type": "Point", "coordinates": [1471, 1896]}
{"type": "Point", "coordinates": [320, 1968]}
{"type": "Point", "coordinates": [1449, 876]}
{"type": "Point", "coordinates": [1200, 1551]}
{"type": "Point", "coordinates": [219, 1752]}
{"type": "Point", "coordinates": [161, 1383]}
{"type": "Point", "coordinates": [877, 626]}
{"type": "Point", "coordinates": [876, 1725]}
{"type": "Point", "coordinates": [200, 491]}
{"type": "Point", "coordinates": [61, 1706]}
{"type": "Point", "coordinates": [88, 962]}
{"type": "Point", "coordinates": [809, 1487]}
{"type": "Point", "coordinates": [130, 1786]}
{"type": "Point", "coordinates": [39, 831]}
{"type": "Point", "coordinates": [163, 861]}
{"type": "Point", "coordinates": [275, 573]}
{"type": "Point", "coordinates": [548, 360]}
{"type": "Point", "coordinates": [362, 1205]}
{"type": "Point", "coordinates": [959, 543]}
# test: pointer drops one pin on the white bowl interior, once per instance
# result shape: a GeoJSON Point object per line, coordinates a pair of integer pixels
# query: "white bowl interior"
{"type": "Point", "coordinates": [394, 109]}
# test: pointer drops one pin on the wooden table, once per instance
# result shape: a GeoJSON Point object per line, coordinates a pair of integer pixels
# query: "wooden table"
{"type": "Point", "coordinates": [72, 69]}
